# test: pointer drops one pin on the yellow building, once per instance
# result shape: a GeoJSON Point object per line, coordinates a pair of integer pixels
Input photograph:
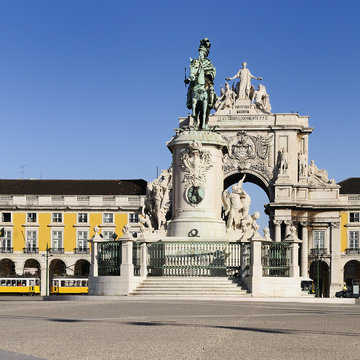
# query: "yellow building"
{"type": "Point", "coordinates": [45, 224]}
{"type": "Point", "coordinates": [350, 230]}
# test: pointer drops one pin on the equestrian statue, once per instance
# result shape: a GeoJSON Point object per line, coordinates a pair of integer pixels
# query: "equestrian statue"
{"type": "Point", "coordinates": [201, 97]}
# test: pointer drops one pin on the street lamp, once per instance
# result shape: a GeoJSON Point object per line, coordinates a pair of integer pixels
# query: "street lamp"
{"type": "Point", "coordinates": [47, 255]}
{"type": "Point", "coordinates": [317, 252]}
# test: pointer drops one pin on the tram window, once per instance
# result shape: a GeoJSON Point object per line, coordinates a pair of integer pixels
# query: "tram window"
{"type": "Point", "coordinates": [83, 283]}
{"type": "Point", "coordinates": [37, 282]}
{"type": "Point", "coordinates": [31, 282]}
{"type": "Point", "coordinates": [56, 283]}
{"type": "Point", "coordinates": [13, 282]}
{"type": "Point", "coordinates": [62, 282]}
{"type": "Point", "coordinates": [23, 283]}
{"type": "Point", "coordinates": [3, 282]}
{"type": "Point", "coordinates": [8, 282]}
{"type": "Point", "coordinates": [19, 283]}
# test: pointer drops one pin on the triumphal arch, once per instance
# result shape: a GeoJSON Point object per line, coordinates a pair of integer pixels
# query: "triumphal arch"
{"type": "Point", "coordinates": [191, 225]}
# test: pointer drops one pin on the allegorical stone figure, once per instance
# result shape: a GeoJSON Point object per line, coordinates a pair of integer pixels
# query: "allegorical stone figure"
{"type": "Point", "coordinates": [261, 99]}
{"type": "Point", "coordinates": [317, 175]}
{"type": "Point", "coordinates": [283, 162]}
{"type": "Point", "coordinates": [302, 164]}
{"type": "Point", "coordinates": [227, 98]}
{"type": "Point", "coordinates": [201, 96]}
{"type": "Point", "coordinates": [157, 201]}
{"type": "Point", "coordinates": [236, 204]}
{"type": "Point", "coordinates": [245, 76]}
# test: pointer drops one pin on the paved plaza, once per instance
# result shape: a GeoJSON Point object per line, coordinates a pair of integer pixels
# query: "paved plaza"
{"type": "Point", "coordinates": [176, 329]}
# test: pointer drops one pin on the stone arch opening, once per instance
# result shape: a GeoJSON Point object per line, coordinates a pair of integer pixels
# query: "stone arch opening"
{"type": "Point", "coordinates": [82, 268]}
{"type": "Point", "coordinates": [32, 267]}
{"type": "Point", "coordinates": [7, 267]}
{"type": "Point", "coordinates": [351, 272]}
{"type": "Point", "coordinates": [251, 177]}
{"type": "Point", "coordinates": [258, 190]}
{"type": "Point", "coordinates": [319, 273]}
{"type": "Point", "coordinates": [57, 268]}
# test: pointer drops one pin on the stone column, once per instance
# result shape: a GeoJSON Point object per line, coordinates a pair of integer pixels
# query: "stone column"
{"type": "Point", "coordinates": [304, 249]}
{"type": "Point", "coordinates": [94, 258]}
{"type": "Point", "coordinates": [143, 259]}
{"type": "Point", "coordinates": [19, 268]}
{"type": "Point", "coordinates": [94, 252]}
{"type": "Point", "coordinates": [277, 224]}
{"type": "Point", "coordinates": [127, 266]}
{"type": "Point", "coordinates": [44, 284]}
{"type": "Point", "coordinates": [336, 281]}
{"type": "Point", "coordinates": [294, 259]}
{"type": "Point", "coordinates": [255, 260]}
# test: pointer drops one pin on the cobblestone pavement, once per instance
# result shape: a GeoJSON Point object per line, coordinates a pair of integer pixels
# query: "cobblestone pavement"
{"type": "Point", "coordinates": [173, 329]}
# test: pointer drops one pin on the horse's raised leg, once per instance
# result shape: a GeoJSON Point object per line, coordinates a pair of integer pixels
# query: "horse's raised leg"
{"type": "Point", "coordinates": [194, 101]}
{"type": "Point", "coordinates": [204, 113]}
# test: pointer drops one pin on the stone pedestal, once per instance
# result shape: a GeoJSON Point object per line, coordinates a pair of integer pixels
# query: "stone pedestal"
{"type": "Point", "coordinates": [197, 185]}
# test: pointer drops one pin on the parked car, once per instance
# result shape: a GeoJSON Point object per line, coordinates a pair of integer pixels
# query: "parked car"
{"type": "Point", "coordinates": [346, 294]}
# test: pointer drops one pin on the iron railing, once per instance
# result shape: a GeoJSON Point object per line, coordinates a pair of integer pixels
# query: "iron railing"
{"type": "Point", "coordinates": [6, 250]}
{"type": "Point", "coordinates": [275, 259]}
{"type": "Point", "coordinates": [193, 258]}
{"type": "Point", "coordinates": [318, 252]}
{"type": "Point", "coordinates": [136, 257]}
{"type": "Point", "coordinates": [31, 250]}
{"type": "Point", "coordinates": [56, 250]}
{"type": "Point", "coordinates": [82, 250]}
{"type": "Point", "coordinates": [109, 258]}
{"type": "Point", "coordinates": [351, 251]}
{"type": "Point", "coordinates": [245, 259]}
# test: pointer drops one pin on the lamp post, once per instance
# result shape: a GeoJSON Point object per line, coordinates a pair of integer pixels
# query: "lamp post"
{"type": "Point", "coordinates": [47, 267]}
{"type": "Point", "coordinates": [317, 252]}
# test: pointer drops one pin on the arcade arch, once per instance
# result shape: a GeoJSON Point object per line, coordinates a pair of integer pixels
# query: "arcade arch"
{"type": "Point", "coordinates": [7, 267]}
{"type": "Point", "coordinates": [320, 268]}
{"type": "Point", "coordinates": [351, 271]}
{"type": "Point", "coordinates": [82, 268]}
{"type": "Point", "coordinates": [32, 267]}
{"type": "Point", "coordinates": [57, 268]}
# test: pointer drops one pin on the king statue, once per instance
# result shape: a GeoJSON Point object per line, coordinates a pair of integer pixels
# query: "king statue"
{"type": "Point", "coordinates": [201, 96]}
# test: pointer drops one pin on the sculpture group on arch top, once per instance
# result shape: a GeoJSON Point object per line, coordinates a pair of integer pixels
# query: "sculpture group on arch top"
{"type": "Point", "coordinates": [256, 145]}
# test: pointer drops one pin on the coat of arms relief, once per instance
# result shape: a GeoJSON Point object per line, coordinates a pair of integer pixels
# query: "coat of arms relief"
{"type": "Point", "coordinates": [249, 152]}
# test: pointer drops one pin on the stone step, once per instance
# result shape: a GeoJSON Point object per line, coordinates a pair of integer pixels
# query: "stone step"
{"type": "Point", "coordinates": [194, 294]}
{"type": "Point", "coordinates": [188, 286]}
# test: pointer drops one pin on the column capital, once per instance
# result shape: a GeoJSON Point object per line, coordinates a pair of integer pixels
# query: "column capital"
{"type": "Point", "coordinates": [288, 222]}
{"type": "Point", "coordinates": [304, 223]}
{"type": "Point", "coordinates": [277, 222]}
{"type": "Point", "coordinates": [335, 224]}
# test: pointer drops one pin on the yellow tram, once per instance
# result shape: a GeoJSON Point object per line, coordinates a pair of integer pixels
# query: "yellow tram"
{"type": "Point", "coordinates": [20, 285]}
{"type": "Point", "coordinates": [69, 285]}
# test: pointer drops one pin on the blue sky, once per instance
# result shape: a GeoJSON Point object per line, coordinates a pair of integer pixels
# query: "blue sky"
{"type": "Point", "coordinates": [93, 89]}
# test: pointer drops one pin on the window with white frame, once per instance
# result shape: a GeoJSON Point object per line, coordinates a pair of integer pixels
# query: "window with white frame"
{"type": "Point", "coordinates": [31, 217]}
{"type": "Point", "coordinates": [6, 240]}
{"type": "Point", "coordinates": [354, 217]}
{"type": "Point", "coordinates": [82, 218]}
{"type": "Point", "coordinates": [108, 218]}
{"type": "Point", "coordinates": [354, 239]}
{"type": "Point", "coordinates": [108, 235]}
{"type": "Point", "coordinates": [57, 218]}
{"type": "Point", "coordinates": [133, 218]}
{"type": "Point", "coordinates": [31, 239]}
{"type": "Point", "coordinates": [6, 217]}
{"type": "Point", "coordinates": [319, 239]}
{"type": "Point", "coordinates": [57, 237]}
{"type": "Point", "coordinates": [82, 239]}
